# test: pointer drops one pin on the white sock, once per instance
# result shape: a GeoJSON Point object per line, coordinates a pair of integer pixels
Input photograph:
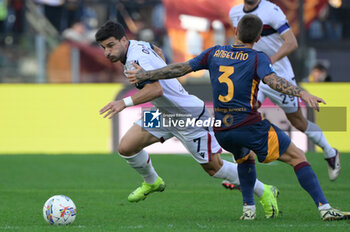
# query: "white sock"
{"type": "Point", "coordinates": [142, 163]}
{"type": "Point", "coordinates": [229, 172]}
{"type": "Point", "coordinates": [259, 188]}
{"type": "Point", "coordinates": [316, 135]}
{"type": "Point", "coordinates": [252, 207]}
{"type": "Point", "coordinates": [324, 207]}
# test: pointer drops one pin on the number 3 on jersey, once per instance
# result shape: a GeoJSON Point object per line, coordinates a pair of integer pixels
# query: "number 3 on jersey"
{"type": "Point", "coordinates": [224, 78]}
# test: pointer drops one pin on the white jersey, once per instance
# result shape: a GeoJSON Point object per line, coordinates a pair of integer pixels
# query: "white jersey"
{"type": "Point", "coordinates": [175, 99]}
{"type": "Point", "coordinates": [199, 141]}
{"type": "Point", "coordinates": [275, 24]}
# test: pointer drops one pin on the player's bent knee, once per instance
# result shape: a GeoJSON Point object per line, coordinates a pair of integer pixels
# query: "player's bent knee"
{"type": "Point", "coordinates": [299, 155]}
{"type": "Point", "coordinates": [128, 146]}
{"type": "Point", "coordinates": [126, 150]}
{"type": "Point", "coordinates": [293, 155]}
{"type": "Point", "coordinates": [122, 150]}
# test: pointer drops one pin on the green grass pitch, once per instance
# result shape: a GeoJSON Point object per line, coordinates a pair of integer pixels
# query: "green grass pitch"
{"type": "Point", "coordinates": [99, 186]}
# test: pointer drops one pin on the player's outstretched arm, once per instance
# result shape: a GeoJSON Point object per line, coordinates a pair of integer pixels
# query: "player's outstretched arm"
{"type": "Point", "coordinates": [167, 72]}
{"type": "Point", "coordinates": [282, 85]}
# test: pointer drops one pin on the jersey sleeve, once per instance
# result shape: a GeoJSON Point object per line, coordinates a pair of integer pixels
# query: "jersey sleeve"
{"type": "Point", "coordinates": [264, 66]}
{"type": "Point", "coordinates": [278, 20]}
{"type": "Point", "coordinates": [201, 61]}
{"type": "Point", "coordinates": [234, 15]}
{"type": "Point", "coordinates": [148, 59]}
{"type": "Point", "coordinates": [145, 62]}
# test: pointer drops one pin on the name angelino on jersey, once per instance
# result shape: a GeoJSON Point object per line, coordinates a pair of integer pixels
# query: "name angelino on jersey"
{"type": "Point", "coordinates": [231, 55]}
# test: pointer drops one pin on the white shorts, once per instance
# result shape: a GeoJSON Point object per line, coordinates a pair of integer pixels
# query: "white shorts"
{"type": "Point", "coordinates": [201, 143]}
{"type": "Point", "coordinates": [288, 103]}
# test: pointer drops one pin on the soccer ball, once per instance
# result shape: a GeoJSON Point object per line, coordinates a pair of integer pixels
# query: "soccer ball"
{"type": "Point", "coordinates": [59, 210]}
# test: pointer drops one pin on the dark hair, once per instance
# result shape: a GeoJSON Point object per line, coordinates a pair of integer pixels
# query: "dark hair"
{"type": "Point", "coordinates": [110, 29]}
{"type": "Point", "coordinates": [249, 28]}
{"type": "Point", "coordinates": [320, 67]}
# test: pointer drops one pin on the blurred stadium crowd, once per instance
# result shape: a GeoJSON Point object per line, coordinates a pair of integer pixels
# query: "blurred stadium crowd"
{"type": "Point", "coordinates": [52, 41]}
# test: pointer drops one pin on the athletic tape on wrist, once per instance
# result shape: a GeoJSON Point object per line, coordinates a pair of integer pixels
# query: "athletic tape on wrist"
{"type": "Point", "coordinates": [128, 101]}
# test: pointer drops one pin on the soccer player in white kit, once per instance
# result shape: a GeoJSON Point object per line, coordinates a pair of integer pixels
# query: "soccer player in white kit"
{"type": "Point", "coordinates": [169, 97]}
{"type": "Point", "coordinates": [277, 41]}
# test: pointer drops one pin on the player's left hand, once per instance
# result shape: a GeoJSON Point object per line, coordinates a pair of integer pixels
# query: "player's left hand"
{"type": "Point", "coordinates": [136, 75]}
{"type": "Point", "coordinates": [113, 108]}
{"type": "Point", "coordinates": [311, 100]}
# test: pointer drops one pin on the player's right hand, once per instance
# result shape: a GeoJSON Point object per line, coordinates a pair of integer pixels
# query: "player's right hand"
{"type": "Point", "coordinates": [112, 108]}
{"type": "Point", "coordinates": [136, 75]}
{"type": "Point", "coordinates": [311, 100]}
